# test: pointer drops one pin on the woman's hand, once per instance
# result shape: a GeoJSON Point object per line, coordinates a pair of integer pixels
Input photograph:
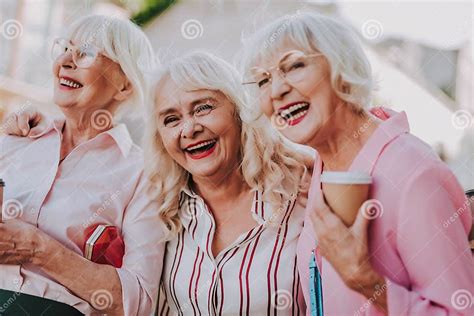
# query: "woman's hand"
{"type": "Point", "coordinates": [22, 242]}
{"type": "Point", "coordinates": [28, 122]}
{"type": "Point", "coordinates": [348, 252]}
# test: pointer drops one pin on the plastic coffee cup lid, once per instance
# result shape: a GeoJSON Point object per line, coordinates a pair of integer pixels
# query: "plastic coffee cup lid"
{"type": "Point", "coordinates": [344, 177]}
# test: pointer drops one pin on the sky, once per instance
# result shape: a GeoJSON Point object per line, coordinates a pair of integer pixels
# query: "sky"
{"type": "Point", "coordinates": [441, 24]}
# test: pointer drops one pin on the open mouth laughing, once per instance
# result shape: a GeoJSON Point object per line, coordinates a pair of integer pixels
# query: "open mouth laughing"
{"type": "Point", "coordinates": [201, 149]}
{"type": "Point", "coordinates": [294, 113]}
{"type": "Point", "coordinates": [69, 83]}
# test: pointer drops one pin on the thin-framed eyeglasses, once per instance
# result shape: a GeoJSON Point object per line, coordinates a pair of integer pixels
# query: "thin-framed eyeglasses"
{"type": "Point", "coordinates": [292, 67]}
{"type": "Point", "coordinates": [83, 56]}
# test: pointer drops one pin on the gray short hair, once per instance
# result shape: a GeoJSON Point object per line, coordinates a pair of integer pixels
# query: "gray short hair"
{"type": "Point", "coordinates": [351, 74]}
{"type": "Point", "coordinates": [124, 43]}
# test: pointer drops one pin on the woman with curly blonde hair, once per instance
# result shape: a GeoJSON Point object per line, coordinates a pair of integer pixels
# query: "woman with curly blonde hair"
{"type": "Point", "coordinates": [229, 190]}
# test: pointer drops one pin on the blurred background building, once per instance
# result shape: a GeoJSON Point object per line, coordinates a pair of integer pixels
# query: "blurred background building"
{"type": "Point", "coordinates": [421, 52]}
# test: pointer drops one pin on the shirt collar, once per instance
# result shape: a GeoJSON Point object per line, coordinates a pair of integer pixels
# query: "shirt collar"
{"type": "Point", "coordinates": [118, 133]}
{"type": "Point", "coordinates": [186, 189]}
{"type": "Point", "coordinates": [122, 138]}
{"type": "Point", "coordinates": [56, 124]}
{"type": "Point", "coordinates": [393, 125]}
{"type": "Point", "coordinates": [259, 213]}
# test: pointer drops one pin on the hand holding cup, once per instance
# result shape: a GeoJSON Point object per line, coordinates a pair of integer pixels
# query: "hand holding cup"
{"type": "Point", "coordinates": [345, 192]}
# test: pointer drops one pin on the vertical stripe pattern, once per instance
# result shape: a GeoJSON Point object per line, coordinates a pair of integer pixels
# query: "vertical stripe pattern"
{"type": "Point", "coordinates": [256, 274]}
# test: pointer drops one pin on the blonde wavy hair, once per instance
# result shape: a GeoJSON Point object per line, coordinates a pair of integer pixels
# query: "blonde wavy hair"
{"type": "Point", "coordinates": [269, 163]}
{"type": "Point", "coordinates": [311, 32]}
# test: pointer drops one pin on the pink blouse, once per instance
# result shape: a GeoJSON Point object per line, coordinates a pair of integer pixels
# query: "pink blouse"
{"type": "Point", "coordinates": [419, 240]}
{"type": "Point", "coordinates": [100, 181]}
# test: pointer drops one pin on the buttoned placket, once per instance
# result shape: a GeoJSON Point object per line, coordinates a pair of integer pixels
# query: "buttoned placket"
{"type": "Point", "coordinates": [40, 196]}
{"type": "Point", "coordinates": [59, 168]}
{"type": "Point", "coordinates": [219, 261]}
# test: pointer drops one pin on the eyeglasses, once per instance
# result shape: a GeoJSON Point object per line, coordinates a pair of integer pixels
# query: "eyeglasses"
{"type": "Point", "coordinates": [83, 56]}
{"type": "Point", "coordinates": [293, 67]}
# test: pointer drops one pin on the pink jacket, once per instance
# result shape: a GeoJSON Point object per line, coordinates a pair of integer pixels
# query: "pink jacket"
{"type": "Point", "coordinates": [419, 241]}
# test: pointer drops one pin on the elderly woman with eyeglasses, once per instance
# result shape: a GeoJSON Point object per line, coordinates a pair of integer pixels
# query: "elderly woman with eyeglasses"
{"type": "Point", "coordinates": [81, 171]}
{"type": "Point", "coordinates": [314, 82]}
{"type": "Point", "coordinates": [229, 190]}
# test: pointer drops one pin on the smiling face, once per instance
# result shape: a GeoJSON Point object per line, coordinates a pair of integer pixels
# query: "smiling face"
{"type": "Point", "coordinates": [302, 103]}
{"type": "Point", "coordinates": [199, 130]}
{"type": "Point", "coordinates": [101, 85]}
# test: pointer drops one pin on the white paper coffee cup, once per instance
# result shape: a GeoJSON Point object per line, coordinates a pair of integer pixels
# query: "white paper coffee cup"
{"type": "Point", "coordinates": [345, 192]}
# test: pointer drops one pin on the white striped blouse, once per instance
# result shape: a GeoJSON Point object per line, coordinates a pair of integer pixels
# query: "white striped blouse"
{"type": "Point", "coordinates": [255, 275]}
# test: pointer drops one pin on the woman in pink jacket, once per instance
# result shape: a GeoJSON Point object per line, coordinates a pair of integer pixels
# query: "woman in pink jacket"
{"type": "Point", "coordinates": [412, 256]}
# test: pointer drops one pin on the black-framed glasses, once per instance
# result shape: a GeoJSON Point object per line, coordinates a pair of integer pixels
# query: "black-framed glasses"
{"type": "Point", "coordinates": [83, 55]}
{"type": "Point", "coordinates": [293, 67]}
